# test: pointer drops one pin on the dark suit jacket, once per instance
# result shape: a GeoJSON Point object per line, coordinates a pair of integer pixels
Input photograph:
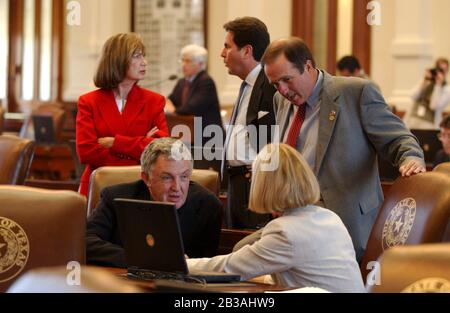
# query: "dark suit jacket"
{"type": "Point", "coordinates": [260, 114]}
{"type": "Point", "coordinates": [202, 100]}
{"type": "Point", "coordinates": [98, 116]}
{"type": "Point", "coordinates": [200, 221]}
{"type": "Point", "coordinates": [441, 157]}
{"type": "Point", "coordinates": [261, 100]}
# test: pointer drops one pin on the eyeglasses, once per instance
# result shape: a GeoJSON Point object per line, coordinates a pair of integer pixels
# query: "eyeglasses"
{"type": "Point", "coordinates": [443, 137]}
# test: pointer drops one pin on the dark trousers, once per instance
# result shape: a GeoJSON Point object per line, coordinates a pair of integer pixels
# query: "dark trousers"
{"type": "Point", "coordinates": [238, 215]}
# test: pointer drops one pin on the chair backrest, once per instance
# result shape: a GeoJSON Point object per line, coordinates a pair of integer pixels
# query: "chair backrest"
{"type": "Point", "coordinates": [112, 175]}
{"type": "Point", "coordinates": [443, 168]}
{"type": "Point", "coordinates": [54, 110]}
{"type": "Point", "coordinates": [15, 159]}
{"type": "Point", "coordinates": [416, 210]}
{"type": "Point", "coordinates": [38, 228]}
{"type": "Point", "coordinates": [415, 268]}
{"type": "Point", "coordinates": [429, 142]}
{"type": "Point", "coordinates": [57, 113]}
{"type": "Point", "coordinates": [2, 118]}
{"type": "Point", "coordinates": [174, 120]}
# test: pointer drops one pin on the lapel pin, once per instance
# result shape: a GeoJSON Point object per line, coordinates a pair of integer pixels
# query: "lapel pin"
{"type": "Point", "coordinates": [332, 116]}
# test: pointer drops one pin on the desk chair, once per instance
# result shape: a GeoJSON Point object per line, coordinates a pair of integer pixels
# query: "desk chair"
{"type": "Point", "coordinates": [174, 120]}
{"type": "Point", "coordinates": [15, 159]}
{"type": "Point", "coordinates": [113, 175]}
{"type": "Point", "coordinates": [2, 118]}
{"type": "Point", "coordinates": [57, 115]}
{"type": "Point", "coordinates": [39, 227]}
{"type": "Point", "coordinates": [55, 111]}
{"type": "Point", "coordinates": [415, 211]}
{"type": "Point", "coordinates": [443, 168]}
{"type": "Point", "coordinates": [429, 142]}
{"type": "Point", "coordinates": [417, 268]}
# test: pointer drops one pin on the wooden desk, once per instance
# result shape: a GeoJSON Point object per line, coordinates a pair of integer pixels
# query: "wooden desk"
{"type": "Point", "coordinates": [252, 286]}
{"type": "Point", "coordinates": [53, 162]}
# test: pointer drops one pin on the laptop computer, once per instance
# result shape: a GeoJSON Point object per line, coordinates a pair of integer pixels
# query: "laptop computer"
{"type": "Point", "coordinates": [429, 142]}
{"type": "Point", "coordinates": [43, 129]}
{"type": "Point", "coordinates": [153, 244]}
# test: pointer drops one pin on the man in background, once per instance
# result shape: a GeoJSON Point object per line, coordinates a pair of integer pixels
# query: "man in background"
{"type": "Point", "coordinates": [349, 66]}
{"type": "Point", "coordinates": [166, 168]}
{"type": "Point", "coordinates": [431, 96]}
{"type": "Point", "coordinates": [196, 93]}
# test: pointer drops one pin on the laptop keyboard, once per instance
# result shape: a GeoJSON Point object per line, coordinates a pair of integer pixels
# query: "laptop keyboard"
{"type": "Point", "coordinates": [157, 275]}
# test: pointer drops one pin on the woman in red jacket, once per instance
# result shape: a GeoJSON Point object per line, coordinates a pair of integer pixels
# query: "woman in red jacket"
{"type": "Point", "coordinates": [116, 121]}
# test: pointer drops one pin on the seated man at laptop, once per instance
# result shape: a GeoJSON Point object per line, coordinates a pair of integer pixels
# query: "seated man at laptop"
{"type": "Point", "coordinates": [166, 168]}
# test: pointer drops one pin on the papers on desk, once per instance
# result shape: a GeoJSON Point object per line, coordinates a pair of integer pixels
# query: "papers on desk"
{"type": "Point", "coordinates": [267, 279]}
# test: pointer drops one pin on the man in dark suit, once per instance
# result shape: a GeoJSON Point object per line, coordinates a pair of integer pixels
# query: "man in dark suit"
{"type": "Point", "coordinates": [250, 125]}
{"type": "Point", "coordinates": [166, 169]}
{"type": "Point", "coordinates": [443, 155]}
{"type": "Point", "coordinates": [196, 93]}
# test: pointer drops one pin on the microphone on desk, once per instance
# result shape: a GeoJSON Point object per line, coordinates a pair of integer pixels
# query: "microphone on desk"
{"type": "Point", "coordinates": [158, 82]}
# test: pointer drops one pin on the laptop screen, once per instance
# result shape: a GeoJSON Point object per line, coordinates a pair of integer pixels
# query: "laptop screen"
{"type": "Point", "coordinates": [151, 235]}
{"type": "Point", "coordinates": [43, 129]}
{"type": "Point", "coordinates": [429, 142]}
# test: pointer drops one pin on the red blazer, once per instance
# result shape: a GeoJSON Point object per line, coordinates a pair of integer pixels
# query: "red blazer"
{"type": "Point", "coordinates": [98, 116]}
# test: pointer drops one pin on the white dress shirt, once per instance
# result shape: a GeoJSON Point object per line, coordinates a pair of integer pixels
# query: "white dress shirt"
{"type": "Point", "coordinates": [239, 150]}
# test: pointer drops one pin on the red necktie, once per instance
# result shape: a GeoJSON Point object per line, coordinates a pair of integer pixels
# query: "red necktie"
{"type": "Point", "coordinates": [296, 126]}
{"type": "Point", "coordinates": [185, 93]}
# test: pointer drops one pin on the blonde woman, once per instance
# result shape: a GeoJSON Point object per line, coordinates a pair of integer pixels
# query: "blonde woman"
{"type": "Point", "coordinates": [117, 121]}
{"type": "Point", "coordinates": [306, 246]}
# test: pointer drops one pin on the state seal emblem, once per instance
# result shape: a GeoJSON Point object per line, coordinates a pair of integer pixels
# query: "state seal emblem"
{"type": "Point", "coordinates": [14, 249]}
{"type": "Point", "coordinates": [429, 285]}
{"type": "Point", "coordinates": [398, 224]}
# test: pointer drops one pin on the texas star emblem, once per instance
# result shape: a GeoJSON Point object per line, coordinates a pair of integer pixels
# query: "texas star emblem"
{"type": "Point", "coordinates": [398, 224]}
{"type": "Point", "coordinates": [431, 284]}
{"type": "Point", "coordinates": [14, 249]}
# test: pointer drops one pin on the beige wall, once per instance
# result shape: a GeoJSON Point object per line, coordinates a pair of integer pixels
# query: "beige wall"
{"type": "Point", "coordinates": [100, 19]}
{"type": "Point", "coordinates": [275, 14]}
{"type": "Point", "coordinates": [440, 10]}
{"type": "Point", "coordinates": [412, 35]}
{"type": "Point", "coordinates": [382, 38]}
{"type": "Point", "coordinates": [344, 28]}
{"type": "Point", "coordinates": [406, 25]}
{"type": "Point", "coordinates": [103, 18]}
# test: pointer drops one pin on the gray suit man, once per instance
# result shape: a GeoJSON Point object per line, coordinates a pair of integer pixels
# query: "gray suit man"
{"type": "Point", "coordinates": [346, 123]}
